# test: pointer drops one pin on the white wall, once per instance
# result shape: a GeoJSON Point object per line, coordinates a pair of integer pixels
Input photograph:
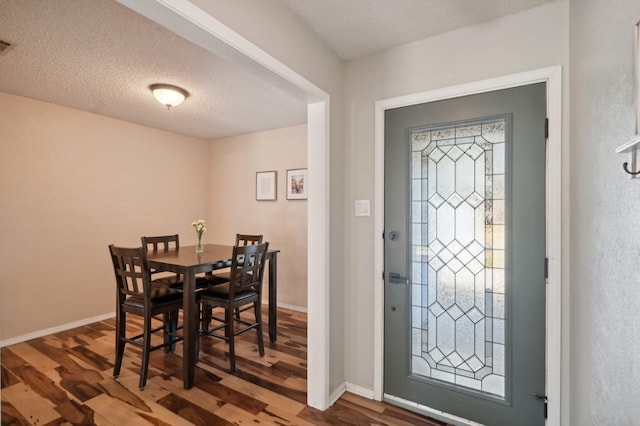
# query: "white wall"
{"type": "Point", "coordinates": [605, 297]}
{"type": "Point", "coordinates": [71, 183]}
{"type": "Point", "coordinates": [232, 207]}
{"type": "Point", "coordinates": [529, 40]}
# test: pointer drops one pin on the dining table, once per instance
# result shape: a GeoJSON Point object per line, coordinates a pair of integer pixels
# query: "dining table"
{"type": "Point", "coordinates": [186, 261]}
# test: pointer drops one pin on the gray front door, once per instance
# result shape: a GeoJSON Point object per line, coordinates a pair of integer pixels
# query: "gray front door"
{"type": "Point", "coordinates": [464, 255]}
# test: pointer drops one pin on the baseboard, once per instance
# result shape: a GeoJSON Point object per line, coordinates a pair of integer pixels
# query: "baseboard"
{"type": "Point", "coordinates": [360, 391]}
{"type": "Point", "coordinates": [53, 330]}
{"type": "Point", "coordinates": [351, 388]}
{"type": "Point", "coordinates": [336, 394]}
{"type": "Point", "coordinates": [291, 307]}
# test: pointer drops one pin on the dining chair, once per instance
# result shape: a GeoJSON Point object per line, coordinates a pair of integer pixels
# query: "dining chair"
{"type": "Point", "coordinates": [163, 243]}
{"type": "Point", "coordinates": [244, 288]}
{"type": "Point", "coordinates": [136, 295]}
{"type": "Point", "coordinates": [241, 240]}
{"type": "Point", "coordinates": [224, 276]}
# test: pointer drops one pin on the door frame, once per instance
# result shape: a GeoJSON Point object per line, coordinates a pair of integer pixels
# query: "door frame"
{"type": "Point", "coordinates": [202, 29]}
{"type": "Point", "coordinates": [552, 76]}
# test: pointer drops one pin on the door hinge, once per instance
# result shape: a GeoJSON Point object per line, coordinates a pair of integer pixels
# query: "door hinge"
{"type": "Point", "coordinates": [546, 268]}
{"type": "Point", "coordinates": [546, 128]}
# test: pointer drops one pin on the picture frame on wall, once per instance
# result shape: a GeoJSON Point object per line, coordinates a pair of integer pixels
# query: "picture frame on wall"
{"type": "Point", "coordinates": [266, 185]}
{"type": "Point", "coordinates": [297, 184]}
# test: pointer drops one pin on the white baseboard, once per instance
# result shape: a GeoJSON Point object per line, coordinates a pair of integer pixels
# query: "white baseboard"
{"type": "Point", "coordinates": [336, 394]}
{"type": "Point", "coordinates": [291, 307]}
{"type": "Point", "coordinates": [351, 388]}
{"type": "Point", "coordinates": [53, 330]}
{"type": "Point", "coordinates": [360, 391]}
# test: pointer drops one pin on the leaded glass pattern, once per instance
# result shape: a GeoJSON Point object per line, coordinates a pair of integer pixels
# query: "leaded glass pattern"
{"type": "Point", "coordinates": [458, 255]}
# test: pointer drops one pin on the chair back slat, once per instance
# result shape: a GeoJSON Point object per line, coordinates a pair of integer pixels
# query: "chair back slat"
{"type": "Point", "coordinates": [247, 267]}
{"type": "Point", "coordinates": [160, 243]}
{"type": "Point", "coordinates": [131, 270]}
{"type": "Point", "coordinates": [248, 240]}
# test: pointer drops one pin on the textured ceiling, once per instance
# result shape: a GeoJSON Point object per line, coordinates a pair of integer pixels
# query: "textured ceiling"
{"type": "Point", "coordinates": [100, 56]}
{"type": "Point", "coordinates": [354, 28]}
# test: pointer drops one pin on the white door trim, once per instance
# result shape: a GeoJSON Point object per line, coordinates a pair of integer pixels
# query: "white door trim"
{"type": "Point", "coordinates": [186, 19]}
{"type": "Point", "coordinates": [553, 77]}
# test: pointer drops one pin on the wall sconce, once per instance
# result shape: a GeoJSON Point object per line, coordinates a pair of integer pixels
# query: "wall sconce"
{"type": "Point", "coordinates": [168, 95]}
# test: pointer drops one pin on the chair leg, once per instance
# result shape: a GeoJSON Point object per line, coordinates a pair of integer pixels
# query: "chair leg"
{"type": "Point", "coordinates": [168, 331]}
{"type": "Point", "coordinates": [257, 308]}
{"type": "Point", "coordinates": [206, 317]}
{"type": "Point", "coordinates": [200, 327]}
{"type": "Point", "coordinates": [146, 344]}
{"type": "Point", "coordinates": [229, 331]}
{"type": "Point", "coordinates": [121, 330]}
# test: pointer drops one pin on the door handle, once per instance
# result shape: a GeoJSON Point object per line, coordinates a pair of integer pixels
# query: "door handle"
{"type": "Point", "coordinates": [395, 278]}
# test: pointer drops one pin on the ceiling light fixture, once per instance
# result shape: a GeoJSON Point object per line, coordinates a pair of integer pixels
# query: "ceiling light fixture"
{"type": "Point", "coordinates": [168, 95]}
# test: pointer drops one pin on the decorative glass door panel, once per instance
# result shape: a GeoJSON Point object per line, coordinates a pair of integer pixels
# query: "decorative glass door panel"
{"type": "Point", "coordinates": [458, 255]}
{"type": "Point", "coordinates": [464, 201]}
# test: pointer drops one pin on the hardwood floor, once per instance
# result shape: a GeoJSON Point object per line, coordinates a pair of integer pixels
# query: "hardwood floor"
{"type": "Point", "coordinates": [66, 378]}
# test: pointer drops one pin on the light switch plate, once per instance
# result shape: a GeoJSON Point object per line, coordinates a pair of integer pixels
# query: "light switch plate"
{"type": "Point", "coordinates": [363, 208]}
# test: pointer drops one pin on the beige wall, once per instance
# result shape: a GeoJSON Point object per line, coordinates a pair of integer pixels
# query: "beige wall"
{"type": "Point", "coordinates": [232, 207]}
{"type": "Point", "coordinates": [71, 183]}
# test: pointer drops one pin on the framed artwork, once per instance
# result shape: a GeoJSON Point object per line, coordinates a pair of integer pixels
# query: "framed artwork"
{"type": "Point", "coordinates": [266, 185]}
{"type": "Point", "coordinates": [297, 185]}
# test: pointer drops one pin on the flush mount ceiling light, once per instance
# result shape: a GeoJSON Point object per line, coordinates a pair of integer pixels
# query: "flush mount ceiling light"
{"type": "Point", "coordinates": [168, 95]}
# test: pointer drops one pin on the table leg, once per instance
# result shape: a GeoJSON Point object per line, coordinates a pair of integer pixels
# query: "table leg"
{"type": "Point", "coordinates": [273, 300]}
{"type": "Point", "coordinates": [189, 329]}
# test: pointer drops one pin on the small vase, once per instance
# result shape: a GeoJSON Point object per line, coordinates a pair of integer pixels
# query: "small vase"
{"type": "Point", "coordinates": [200, 246]}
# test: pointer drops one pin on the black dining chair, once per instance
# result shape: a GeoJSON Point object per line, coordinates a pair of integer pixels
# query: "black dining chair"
{"type": "Point", "coordinates": [136, 295]}
{"type": "Point", "coordinates": [244, 288]}
{"type": "Point", "coordinates": [163, 243]}
{"type": "Point", "coordinates": [166, 243]}
{"type": "Point", "coordinates": [241, 240]}
{"type": "Point", "coordinates": [224, 276]}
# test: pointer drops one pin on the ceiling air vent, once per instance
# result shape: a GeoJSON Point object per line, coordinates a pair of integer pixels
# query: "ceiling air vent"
{"type": "Point", "coordinates": [4, 46]}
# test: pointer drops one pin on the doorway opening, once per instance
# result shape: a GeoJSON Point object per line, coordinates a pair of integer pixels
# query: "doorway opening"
{"type": "Point", "coordinates": [202, 29]}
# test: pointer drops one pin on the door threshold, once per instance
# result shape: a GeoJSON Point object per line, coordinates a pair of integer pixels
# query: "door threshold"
{"type": "Point", "coordinates": [427, 411]}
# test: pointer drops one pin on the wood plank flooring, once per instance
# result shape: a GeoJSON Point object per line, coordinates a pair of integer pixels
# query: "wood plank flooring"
{"type": "Point", "coordinates": [66, 378]}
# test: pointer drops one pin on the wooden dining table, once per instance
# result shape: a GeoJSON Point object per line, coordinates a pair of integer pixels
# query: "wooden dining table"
{"type": "Point", "coordinates": [187, 262]}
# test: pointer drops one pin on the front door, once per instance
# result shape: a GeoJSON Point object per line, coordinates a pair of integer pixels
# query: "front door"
{"type": "Point", "coordinates": [464, 308]}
